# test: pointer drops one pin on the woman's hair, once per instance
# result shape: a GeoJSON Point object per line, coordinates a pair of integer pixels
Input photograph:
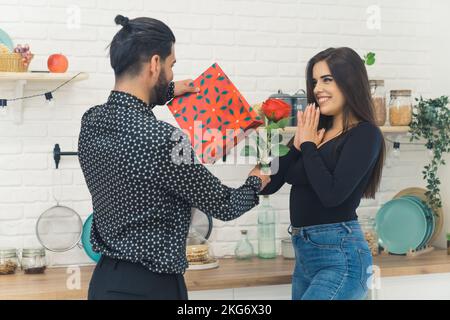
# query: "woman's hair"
{"type": "Point", "coordinates": [137, 41]}
{"type": "Point", "coordinates": [350, 74]}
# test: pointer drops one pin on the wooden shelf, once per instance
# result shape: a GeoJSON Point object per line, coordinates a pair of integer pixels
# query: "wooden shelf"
{"type": "Point", "coordinates": [384, 129]}
{"type": "Point", "coordinates": [389, 129]}
{"type": "Point", "coordinates": [22, 78]}
{"type": "Point", "coordinates": [37, 76]}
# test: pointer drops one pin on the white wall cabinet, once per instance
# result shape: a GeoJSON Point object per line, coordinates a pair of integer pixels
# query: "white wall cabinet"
{"type": "Point", "coordinates": [418, 287]}
{"type": "Point", "coordinates": [278, 292]}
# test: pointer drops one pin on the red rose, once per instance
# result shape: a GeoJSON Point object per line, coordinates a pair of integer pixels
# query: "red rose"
{"type": "Point", "coordinates": [276, 110]}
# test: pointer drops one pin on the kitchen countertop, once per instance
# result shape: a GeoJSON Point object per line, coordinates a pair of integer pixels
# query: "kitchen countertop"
{"type": "Point", "coordinates": [230, 274]}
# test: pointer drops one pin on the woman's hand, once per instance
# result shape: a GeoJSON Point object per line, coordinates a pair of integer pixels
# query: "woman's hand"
{"type": "Point", "coordinates": [307, 123]}
{"type": "Point", "coordinates": [184, 86]}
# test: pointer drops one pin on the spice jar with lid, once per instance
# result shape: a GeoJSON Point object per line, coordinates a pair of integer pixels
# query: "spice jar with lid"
{"type": "Point", "coordinates": [287, 250]}
{"type": "Point", "coordinates": [370, 233]}
{"type": "Point", "coordinates": [8, 261]}
{"type": "Point", "coordinates": [379, 101]}
{"type": "Point", "coordinates": [400, 108]}
{"type": "Point", "coordinates": [33, 260]}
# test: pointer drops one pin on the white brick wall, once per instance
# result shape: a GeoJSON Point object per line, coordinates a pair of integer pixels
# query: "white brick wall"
{"type": "Point", "coordinates": [262, 45]}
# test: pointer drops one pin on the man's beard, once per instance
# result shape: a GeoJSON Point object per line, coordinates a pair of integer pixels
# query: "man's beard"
{"type": "Point", "coordinates": [159, 91]}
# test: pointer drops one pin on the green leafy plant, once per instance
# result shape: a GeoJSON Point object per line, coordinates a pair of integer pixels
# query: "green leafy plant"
{"type": "Point", "coordinates": [369, 59]}
{"type": "Point", "coordinates": [431, 121]}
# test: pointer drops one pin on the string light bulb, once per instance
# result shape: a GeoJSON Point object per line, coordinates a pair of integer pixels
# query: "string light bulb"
{"type": "Point", "coordinates": [49, 99]}
{"type": "Point", "coordinates": [3, 107]}
{"type": "Point", "coordinates": [394, 155]}
{"type": "Point", "coordinates": [396, 150]}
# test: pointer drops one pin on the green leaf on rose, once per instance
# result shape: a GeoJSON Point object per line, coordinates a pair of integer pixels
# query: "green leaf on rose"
{"type": "Point", "coordinates": [283, 123]}
{"type": "Point", "coordinates": [279, 150]}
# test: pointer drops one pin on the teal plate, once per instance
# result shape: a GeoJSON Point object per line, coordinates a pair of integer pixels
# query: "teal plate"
{"type": "Point", "coordinates": [431, 219]}
{"type": "Point", "coordinates": [428, 216]}
{"type": "Point", "coordinates": [401, 226]}
{"type": "Point", "coordinates": [6, 40]}
{"type": "Point", "coordinates": [85, 239]}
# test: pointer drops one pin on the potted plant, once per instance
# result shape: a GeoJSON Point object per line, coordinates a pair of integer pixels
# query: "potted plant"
{"type": "Point", "coordinates": [369, 58]}
{"type": "Point", "coordinates": [431, 121]}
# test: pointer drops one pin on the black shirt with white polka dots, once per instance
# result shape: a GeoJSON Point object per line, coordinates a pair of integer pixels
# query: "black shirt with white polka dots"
{"type": "Point", "coordinates": [143, 190]}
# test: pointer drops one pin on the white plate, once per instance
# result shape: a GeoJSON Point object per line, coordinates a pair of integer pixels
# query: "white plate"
{"type": "Point", "coordinates": [206, 266]}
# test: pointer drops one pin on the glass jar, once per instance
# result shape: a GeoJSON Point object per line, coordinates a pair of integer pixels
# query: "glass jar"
{"type": "Point", "coordinates": [8, 261]}
{"type": "Point", "coordinates": [244, 249]}
{"type": "Point", "coordinates": [379, 101]}
{"type": "Point", "coordinates": [370, 233]}
{"type": "Point", "coordinates": [400, 108]}
{"type": "Point", "coordinates": [266, 230]}
{"type": "Point", "coordinates": [287, 250]}
{"type": "Point", "coordinates": [33, 260]}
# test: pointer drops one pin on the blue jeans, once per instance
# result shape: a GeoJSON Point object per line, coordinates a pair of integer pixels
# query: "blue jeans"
{"type": "Point", "coordinates": [332, 262]}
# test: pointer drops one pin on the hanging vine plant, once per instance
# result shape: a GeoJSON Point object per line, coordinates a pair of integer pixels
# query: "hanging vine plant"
{"type": "Point", "coordinates": [431, 121]}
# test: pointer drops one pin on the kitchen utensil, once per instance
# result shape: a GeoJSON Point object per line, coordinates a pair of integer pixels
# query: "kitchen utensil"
{"type": "Point", "coordinates": [401, 226]}
{"type": "Point", "coordinates": [438, 214]}
{"type": "Point", "coordinates": [201, 223]}
{"type": "Point", "coordinates": [6, 40]}
{"type": "Point", "coordinates": [59, 228]}
{"type": "Point", "coordinates": [299, 103]}
{"type": "Point", "coordinates": [85, 239]}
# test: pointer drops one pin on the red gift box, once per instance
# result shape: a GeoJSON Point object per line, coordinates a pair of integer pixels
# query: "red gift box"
{"type": "Point", "coordinates": [217, 118]}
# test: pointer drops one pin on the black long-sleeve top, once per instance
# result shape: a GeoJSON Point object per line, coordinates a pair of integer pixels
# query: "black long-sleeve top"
{"type": "Point", "coordinates": [328, 182]}
{"type": "Point", "coordinates": [144, 179]}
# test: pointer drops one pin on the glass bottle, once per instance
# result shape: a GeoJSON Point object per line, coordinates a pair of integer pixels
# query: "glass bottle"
{"type": "Point", "coordinates": [8, 261]}
{"type": "Point", "coordinates": [370, 233]}
{"type": "Point", "coordinates": [244, 249]}
{"type": "Point", "coordinates": [33, 260]}
{"type": "Point", "coordinates": [379, 101]}
{"type": "Point", "coordinates": [400, 108]}
{"type": "Point", "coordinates": [266, 230]}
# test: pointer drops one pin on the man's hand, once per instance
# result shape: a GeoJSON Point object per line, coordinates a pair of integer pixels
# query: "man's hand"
{"type": "Point", "coordinates": [258, 172]}
{"type": "Point", "coordinates": [184, 86]}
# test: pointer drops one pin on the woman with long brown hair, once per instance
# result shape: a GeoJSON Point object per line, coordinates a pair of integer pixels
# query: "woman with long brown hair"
{"type": "Point", "coordinates": [335, 159]}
